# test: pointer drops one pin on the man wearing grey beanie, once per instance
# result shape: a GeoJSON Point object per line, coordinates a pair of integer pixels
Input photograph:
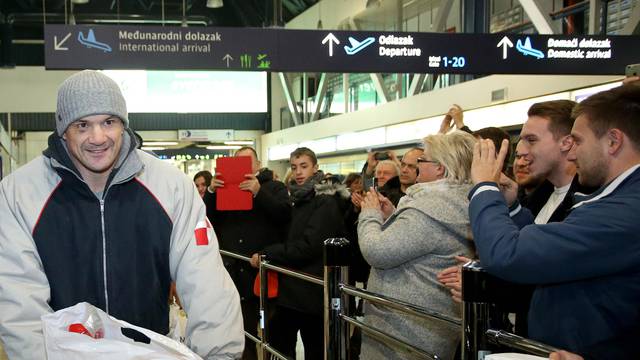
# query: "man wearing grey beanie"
{"type": "Point", "coordinates": [95, 220]}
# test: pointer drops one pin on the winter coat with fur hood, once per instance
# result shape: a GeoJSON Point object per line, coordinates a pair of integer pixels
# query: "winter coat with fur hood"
{"type": "Point", "coordinates": [313, 220]}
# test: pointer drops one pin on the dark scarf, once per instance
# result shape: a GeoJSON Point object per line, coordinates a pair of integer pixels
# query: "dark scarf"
{"type": "Point", "coordinates": [307, 190]}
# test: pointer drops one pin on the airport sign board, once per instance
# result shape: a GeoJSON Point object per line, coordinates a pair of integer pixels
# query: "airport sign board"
{"type": "Point", "coordinates": [282, 50]}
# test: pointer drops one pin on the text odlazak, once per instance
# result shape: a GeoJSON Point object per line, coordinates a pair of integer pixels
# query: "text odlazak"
{"type": "Point", "coordinates": [169, 36]}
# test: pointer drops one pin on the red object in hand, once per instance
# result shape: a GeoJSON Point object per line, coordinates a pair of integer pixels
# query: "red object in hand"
{"type": "Point", "coordinates": [80, 329]}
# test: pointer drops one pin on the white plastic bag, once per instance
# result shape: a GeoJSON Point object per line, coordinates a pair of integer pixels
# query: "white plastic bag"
{"type": "Point", "coordinates": [177, 323]}
{"type": "Point", "coordinates": [60, 344]}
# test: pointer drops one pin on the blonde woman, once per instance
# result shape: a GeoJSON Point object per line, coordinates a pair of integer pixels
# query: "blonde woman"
{"type": "Point", "coordinates": [406, 247]}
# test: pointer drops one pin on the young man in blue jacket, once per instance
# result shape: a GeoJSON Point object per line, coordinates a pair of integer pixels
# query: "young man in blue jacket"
{"type": "Point", "coordinates": [586, 267]}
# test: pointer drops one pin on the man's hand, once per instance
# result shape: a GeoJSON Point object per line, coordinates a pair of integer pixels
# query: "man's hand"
{"type": "Point", "coordinates": [371, 163]}
{"type": "Point", "coordinates": [451, 278]}
{"type": "Point", "coordinates": [456, 114]}
{"type": "Point", "coordinates": [255, 260]}
{"type": "Point", "coordinates": [564, 355]}
{"type": "Point", "coordinates": [509, 189]}
{"type": "Point", "coordinates": [452, 118]}
{"type": "Point", "coordinates": [251, 184]}
{"type": "Point", "coordinates": [356, 200]}
{"type": "Point", "coordinates": [371, 201]}
{"type": "Point", "coordinates": [386, 206]}
{"type": "Point", "coordinates": [486, 166]}
{"type": "Point", "coordinates": [630, 79]}
{"type": "Point", "coordinates": [446, 125]}
{"type": "Point", "coordinates": [215, 183]}
{"type": "Point", "coordinates": [393, 157]}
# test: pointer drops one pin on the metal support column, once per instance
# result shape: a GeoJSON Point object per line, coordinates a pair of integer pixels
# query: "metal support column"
{"type": "Point", "coordinates": [539, 16]}
{"type": "Point", "coordinates": [416, 84]}
{"type": "Point", "coordinates": [475, 20]}
{"type": "Point", "coordinates": [264, 332]}
{"type": "Point", "coordinates": [475, 314]}
{"type": "Point", "coordinates": [320, 95]}
{"type": "Point", "coordinates": [305, 100]}
{"type": "Point", "coordinates": [381, 90]}
{"type": "Point", "coordinates": [475, 16]}
{"type": "Point", "coordinates": [288, 94]}
{"type": "Point", "coordinates": [336, 272]}
{"type": "Point", "coordinates": [399, 27]}
{"type": "Point", "coordinates": [443, 14]}
{"type": "Point", "coordinates": [11, 148]}
{"type": "Point", "coordinates": [345, 91]}
{"type": "Point", "coordinates": [595, 21]}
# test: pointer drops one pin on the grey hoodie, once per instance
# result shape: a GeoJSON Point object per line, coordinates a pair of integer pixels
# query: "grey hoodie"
{"type": "Point", "coordinates": [421, 238]}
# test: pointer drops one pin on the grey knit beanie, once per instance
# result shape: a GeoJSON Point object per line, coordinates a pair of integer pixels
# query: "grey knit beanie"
{"type": "Point", "coordinates": [88, 93]}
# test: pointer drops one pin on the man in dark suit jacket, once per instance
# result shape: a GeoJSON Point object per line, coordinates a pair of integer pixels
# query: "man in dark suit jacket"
{"type": "Point", "coordinates": [249, 231]}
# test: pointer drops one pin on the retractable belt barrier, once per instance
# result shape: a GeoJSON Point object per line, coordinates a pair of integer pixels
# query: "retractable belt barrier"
{"type": "Point", "coordinates": [485, 306]}
{"type": "Point", "coordinates": [480, 325]}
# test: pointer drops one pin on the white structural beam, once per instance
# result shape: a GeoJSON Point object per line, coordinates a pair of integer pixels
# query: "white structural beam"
{"type": "Point", "coordinates": [416, 84]}
{"type": "Point", "coordinates": [345, 91]}
{"type": "Point", "coordinates": [378, 84]}
{"type": "Point", "coordinates": [633, 25]}
{"type": "Point", "coordinates": [320, 95]}
{"type": "Point", "coordinates": [288, 94]}
{"type": "Point", "coordinates": [443, 13]}
{"type": "Point", "coordinates": [539, 16]}
{"type": "Point", "coordinates": [595, 8]}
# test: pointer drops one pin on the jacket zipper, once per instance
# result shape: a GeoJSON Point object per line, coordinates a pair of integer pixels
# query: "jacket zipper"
{"type": "Point", "coordinates": [104, 257]}
{"type": "Point", "coordinates": [104, 236]}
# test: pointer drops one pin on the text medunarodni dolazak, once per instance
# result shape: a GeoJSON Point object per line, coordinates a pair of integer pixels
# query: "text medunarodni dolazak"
{"type": "Point", "coordinates": [169, 36]}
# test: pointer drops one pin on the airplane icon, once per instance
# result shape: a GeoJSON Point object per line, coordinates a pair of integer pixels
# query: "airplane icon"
{"type": "Point", "coordinates": [357, 46]}
{"type": "Point", "coordinates": [91, 42]}
{"type": "Point", "coordinates": [526, 49]}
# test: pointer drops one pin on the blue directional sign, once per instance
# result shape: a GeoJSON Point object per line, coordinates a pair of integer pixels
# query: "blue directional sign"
{"type": "Point", "coordinates": [251, 49]}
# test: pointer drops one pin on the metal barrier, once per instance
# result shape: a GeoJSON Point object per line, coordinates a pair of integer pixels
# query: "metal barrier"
{"type": "Point", "coordinates": [479, 313]}
{"type": "Point", "coordinates": [482, 294]}
{"type": "Point", "coordinates": [262, 341]}
{"type": "Point", "coordinates": [336, 258]}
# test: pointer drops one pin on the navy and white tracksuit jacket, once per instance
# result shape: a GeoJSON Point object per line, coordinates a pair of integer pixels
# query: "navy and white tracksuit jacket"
{"type": "Point", "coordinates": [61, 244]}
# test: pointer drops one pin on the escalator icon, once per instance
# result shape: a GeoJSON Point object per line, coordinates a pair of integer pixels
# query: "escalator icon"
{"type": "Point", "coordinates": [526, 49]}
{"type": "Point", "coordinates": [91, 42]}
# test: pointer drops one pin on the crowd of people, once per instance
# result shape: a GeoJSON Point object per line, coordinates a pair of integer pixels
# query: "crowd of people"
{"type": "Point", "coordinates": [562, 220]}
{"type": "Point", "coordinates": [414, 220]}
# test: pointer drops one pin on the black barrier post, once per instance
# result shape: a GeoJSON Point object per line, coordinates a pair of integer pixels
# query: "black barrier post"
{"type": "Point", "coordinates": [475, 312]}
{"type": "Point", "coordinates": [263, 307]}
{"type": "Point", "coordinates": [336, 271]}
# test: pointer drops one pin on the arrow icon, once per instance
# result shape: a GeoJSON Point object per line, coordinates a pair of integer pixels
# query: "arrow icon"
{"type": "Point", "coordinates": [505, 43]}
{"type": "Point", "coordinates": [58, 45]}
{"type": "Point", "coordinates": [332, 39]}
{"type": "Point", "coordinates": [227, 58]}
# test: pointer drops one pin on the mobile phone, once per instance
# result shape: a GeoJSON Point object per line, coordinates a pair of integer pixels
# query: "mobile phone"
{"type": "Point", "coordinates": [381, 155]}
{"type": "Point", "coordinates": [369, 184]}
{"type": "Point", "coordinates": [632, 70]}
